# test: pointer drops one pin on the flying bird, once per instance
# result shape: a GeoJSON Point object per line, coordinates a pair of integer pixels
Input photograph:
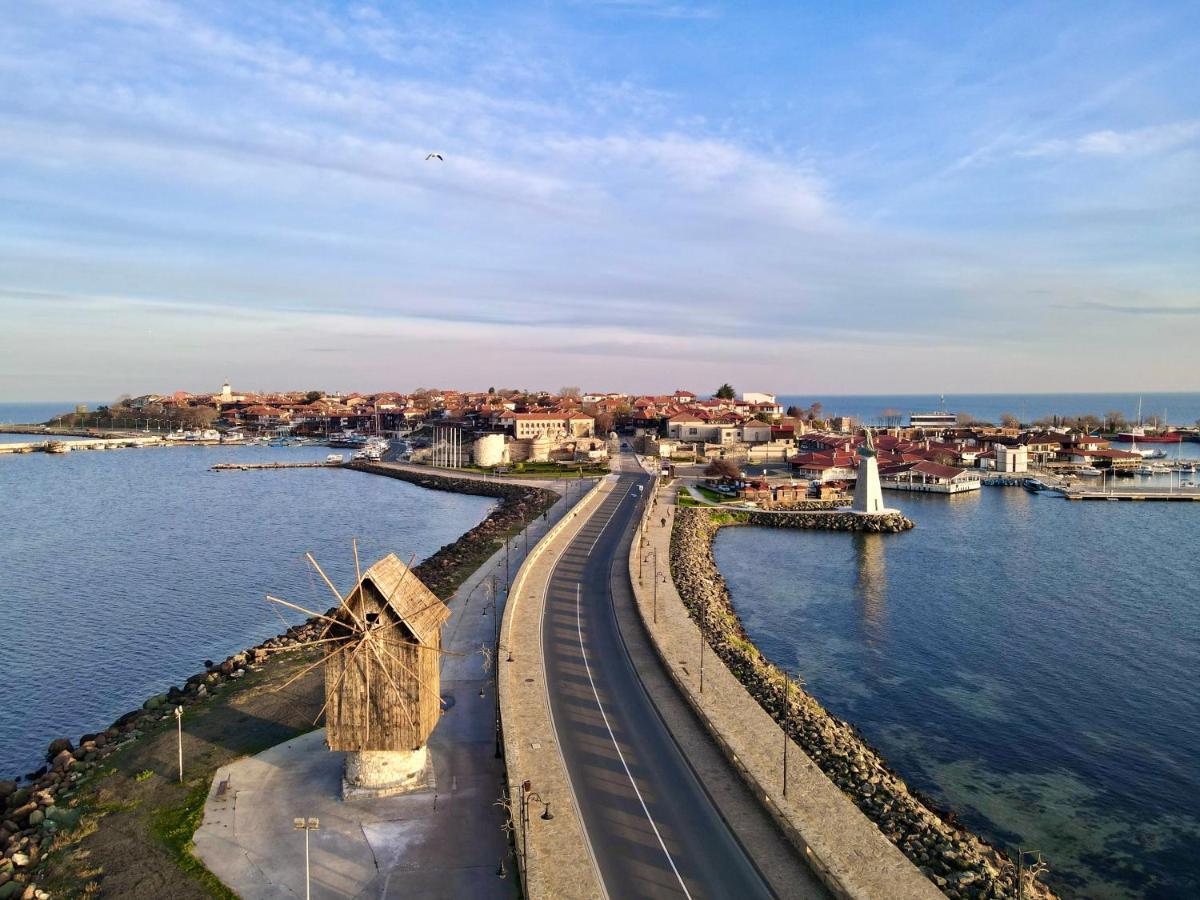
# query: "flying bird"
{"type": "Point", "coordinates": [437, 156]}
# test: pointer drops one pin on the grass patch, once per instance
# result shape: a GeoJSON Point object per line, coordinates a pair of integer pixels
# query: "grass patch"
{"type": "Point", "coordinates": [683, 498]}
{"type": "Point", "coordinates": [143, 775]}
{"type": "Point", "coordinates": [714, 496]}
{"type": "Point", "coordinates": [175, 826]}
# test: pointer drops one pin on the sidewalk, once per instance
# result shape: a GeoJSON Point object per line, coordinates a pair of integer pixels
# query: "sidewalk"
{"type": "Point", "coordinates": [448, 841]}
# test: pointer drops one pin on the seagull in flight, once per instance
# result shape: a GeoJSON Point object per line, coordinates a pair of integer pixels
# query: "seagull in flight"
{"type": "Point", "coordinates": [436, 156]}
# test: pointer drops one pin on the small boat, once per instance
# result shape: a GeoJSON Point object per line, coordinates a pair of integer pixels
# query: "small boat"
{"type": "Point", "coordinates": [1088, 471]}
{"type": "Point", "coordinates": [334, 459]}
{"type": "Point", "coordinates": [356, 455]}
{"type": "Point", "coordinates": [58, 447]}
{"type": "Point", "coordinates": [1033, 485]}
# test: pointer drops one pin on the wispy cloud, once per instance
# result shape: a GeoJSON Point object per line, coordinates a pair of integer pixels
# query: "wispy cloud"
{"type": "Point", "coordinates": [1135, 310]}
{"type": "Point", "coordinates": [1108, 143]}
{"type": "Point", "coordinates": [661, 9]}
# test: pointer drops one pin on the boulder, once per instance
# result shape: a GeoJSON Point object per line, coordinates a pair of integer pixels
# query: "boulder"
{"type": "Point", "coordinates": [57, 746]}
{"type": "Point", "coordinates": [152, 703]}
{"type": "Point", "coordinates": [7, 789]}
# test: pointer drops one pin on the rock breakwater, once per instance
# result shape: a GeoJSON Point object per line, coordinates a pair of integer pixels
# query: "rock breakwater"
{"type": "Point", "coordinates": [957, 861]}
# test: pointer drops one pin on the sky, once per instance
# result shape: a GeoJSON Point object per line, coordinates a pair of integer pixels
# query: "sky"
{"type": "Point", "coordinates": [633, 195]}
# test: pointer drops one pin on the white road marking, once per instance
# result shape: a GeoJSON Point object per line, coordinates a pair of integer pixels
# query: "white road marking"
{"type": "Point", "coordinates": [587, 666]}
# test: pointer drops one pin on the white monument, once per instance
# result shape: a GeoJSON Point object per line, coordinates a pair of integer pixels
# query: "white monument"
{"type": "Point", "coordinates": [868, 495]}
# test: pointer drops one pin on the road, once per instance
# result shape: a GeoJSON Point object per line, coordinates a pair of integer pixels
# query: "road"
{"type": "Point", "coordinates": [653, 829]}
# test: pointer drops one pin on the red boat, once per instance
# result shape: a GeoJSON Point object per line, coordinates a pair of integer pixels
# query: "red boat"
{"type": "Point", "coordinates": [1164, 437]}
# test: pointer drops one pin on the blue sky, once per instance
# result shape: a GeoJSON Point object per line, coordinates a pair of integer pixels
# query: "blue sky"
{"type": "Point", "coordinates": [635, 194]}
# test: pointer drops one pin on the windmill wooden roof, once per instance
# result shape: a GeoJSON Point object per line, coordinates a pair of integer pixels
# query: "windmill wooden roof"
{"type": "Point", "coordinates": [418, 606]}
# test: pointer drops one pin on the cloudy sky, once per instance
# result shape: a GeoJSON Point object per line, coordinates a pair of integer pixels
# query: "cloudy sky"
{"type": "Point", "coordinates": [635, 194]}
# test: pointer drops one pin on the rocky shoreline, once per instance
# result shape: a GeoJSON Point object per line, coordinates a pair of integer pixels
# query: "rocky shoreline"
{"type": "Point", "coordinates": [32, 814]}
{"type": "Point", "coordinates": [957, 861]}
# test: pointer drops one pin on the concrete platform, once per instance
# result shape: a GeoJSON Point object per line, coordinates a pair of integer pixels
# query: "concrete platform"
{"type": "Point", "coordinates": [429, 843]}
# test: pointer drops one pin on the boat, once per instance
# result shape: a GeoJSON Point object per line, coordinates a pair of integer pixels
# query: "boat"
{"type": "Point", "coordinates": [356, 455]}
{"type": "Point", "coordinates": [1088, 471]}
{"type": "Point", "coordinates": [334, 459]}
{"type": "Point", "coordinates": [1033, 485]}
{"type": "Point", "coordinates": [58, 447]}
{"type": "Point", "coordinates": [1137, 435]}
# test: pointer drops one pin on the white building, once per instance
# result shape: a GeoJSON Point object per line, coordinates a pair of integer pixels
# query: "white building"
{"type": "Point", "coordinates": [1012, 459]}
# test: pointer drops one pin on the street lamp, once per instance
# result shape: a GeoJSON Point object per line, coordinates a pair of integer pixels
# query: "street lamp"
{"type": "Point", "coordinates": [179, 724]}
{"type": "Point", "coordinates": [306, 825]}
{"type": "Point", "coordinates": [527, 796]}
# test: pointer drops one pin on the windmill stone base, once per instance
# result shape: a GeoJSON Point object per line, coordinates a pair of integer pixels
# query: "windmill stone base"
{"type": "Point", "coordinates": [386, 773]}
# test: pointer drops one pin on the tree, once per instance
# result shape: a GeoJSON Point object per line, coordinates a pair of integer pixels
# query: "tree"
{"type": "Point", "coordinates": [1116, 420]}
{"type": "Point", "coordinates": [313, 396]}
{"type": "Point", "coordinates": [814, 411]}
{"type": "Point", "coordinates": [491, 390]}
{"type": "Point", "coordinates": [1008, 420]}
{"type": "Point", "coordinates": [891, 417]}
{"type": "Point", "coordinates": [572, 392]}
{"type": "Point", "coordinates": [793, 412]}
{"type": "Point", "coordinates": [723, 468]}
{"type": "Point", "coordinates": [964, 418]}
{"type": "Point", "coordinates": [725, 392]}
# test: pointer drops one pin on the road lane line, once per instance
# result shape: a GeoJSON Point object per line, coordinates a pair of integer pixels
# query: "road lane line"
{"type": "Point", "coordinates": [613, 738]}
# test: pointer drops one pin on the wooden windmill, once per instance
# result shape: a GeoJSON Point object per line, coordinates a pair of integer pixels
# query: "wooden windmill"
{"type": "Point", "coordinates": [382, 683]}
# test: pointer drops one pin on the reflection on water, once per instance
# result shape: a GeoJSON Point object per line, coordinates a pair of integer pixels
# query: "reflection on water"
{"type": "Point", "coordinates": [872, 583]}
{"type": "Point", "coordinates": [1025, 661]}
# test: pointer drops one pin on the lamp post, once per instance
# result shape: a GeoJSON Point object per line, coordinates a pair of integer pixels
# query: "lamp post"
{"type": "Point", "coordinates": [787, 711]}
{"type": "Point", "coordinates": [306, 825]}
{"type": "Point", "coordinates": [179, 728]}
{"type": "Point", "coordinates": [655, 585]}
{"type": "Point", "coordinates": [528, 795]}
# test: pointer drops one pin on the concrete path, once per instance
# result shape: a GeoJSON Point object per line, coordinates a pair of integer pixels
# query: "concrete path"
{"type": "Point", "coordinates": [447, 842]}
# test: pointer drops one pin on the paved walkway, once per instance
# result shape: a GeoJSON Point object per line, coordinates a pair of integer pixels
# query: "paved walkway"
{"type": "Point", "coordinates": [444, 842]}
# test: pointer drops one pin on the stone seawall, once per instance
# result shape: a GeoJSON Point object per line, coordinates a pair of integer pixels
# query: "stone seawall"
{"type": "Point", "coordinates": [30, 815]}
{"type": "Point", "coordinates": [519, 503]}
{"type": "Point", "coordinates": [957, 861]}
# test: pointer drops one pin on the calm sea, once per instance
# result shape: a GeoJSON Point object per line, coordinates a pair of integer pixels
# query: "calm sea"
{"type": "Point", "coordinates": [1028, 662]}
{"type": "Point", "coordinates": [36, 413]}
{"type": "Point", "coordinates": [125, 569]}
{"type": "Point", "coordinates": [1179, 409]}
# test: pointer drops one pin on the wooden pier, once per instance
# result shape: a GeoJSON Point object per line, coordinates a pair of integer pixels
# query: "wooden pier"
{"type": "Point", "coordinates": [245, 467]}
{"type": "Point", "coordinates": [1142, 494]}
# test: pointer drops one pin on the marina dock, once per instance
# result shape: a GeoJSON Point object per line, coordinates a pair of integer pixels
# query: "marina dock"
{"type": "Point", "coordinates": [244, 467]}
{"type": "Point", "coordinates": [1148, 493]}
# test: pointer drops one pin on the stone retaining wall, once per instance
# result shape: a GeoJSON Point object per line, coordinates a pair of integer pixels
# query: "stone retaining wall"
{"type": "Point", "coordinates": [957, 861]}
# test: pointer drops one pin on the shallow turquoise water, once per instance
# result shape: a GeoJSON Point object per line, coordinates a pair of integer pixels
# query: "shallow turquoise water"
{"type": "Point", "coordinates": [123, 570]}
{"type": "Point", "coordinates": [1027, 662]}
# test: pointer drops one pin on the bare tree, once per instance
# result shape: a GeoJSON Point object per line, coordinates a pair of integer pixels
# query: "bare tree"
{"type": "Point", "coordinates": [573, 393]}
{"type": "Point", "coordinates": [1008, 420]}
{"type": "Point", "coordinates": [723, 468]}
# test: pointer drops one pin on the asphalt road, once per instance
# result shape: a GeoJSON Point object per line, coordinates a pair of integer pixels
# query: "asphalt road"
{"type": "Point", "coordinates": [653, 829]}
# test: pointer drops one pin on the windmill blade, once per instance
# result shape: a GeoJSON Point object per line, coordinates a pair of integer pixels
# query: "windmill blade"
{"type": "Point", "coordinates": [303, 646]}
{"type": "Point", "coordinates": [380, 629]}
{"type": "Point", "coordinates": [307, 612]}
{"type": "Point", "coordinates": [342, 600]}
{"type": "Point", "coordinates": [308, 669]}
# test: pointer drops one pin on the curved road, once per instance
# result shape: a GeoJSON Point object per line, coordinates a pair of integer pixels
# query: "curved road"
{"type": "Point", "coordinates": [653, 829]}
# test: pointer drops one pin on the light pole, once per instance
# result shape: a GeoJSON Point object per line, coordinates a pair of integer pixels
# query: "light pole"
{"type": "Point", "coordinates": [179, 724]}
{"type": "Point", "coordinates": [527, 794]}
{"type": "Point", "coordinates": [787, 710]}
{"type": "Point", "coordinates": [306, 825]}
{"type": "Point", "coordinates": [655, 585]}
